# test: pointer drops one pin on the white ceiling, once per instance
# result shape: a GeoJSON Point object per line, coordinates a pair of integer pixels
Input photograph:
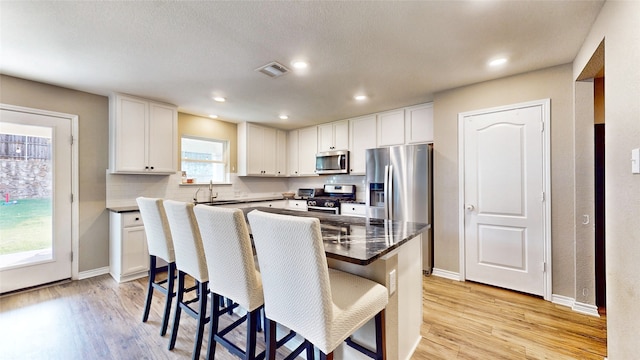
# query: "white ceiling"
{"type": "Point", "coordinates": [399, 53]}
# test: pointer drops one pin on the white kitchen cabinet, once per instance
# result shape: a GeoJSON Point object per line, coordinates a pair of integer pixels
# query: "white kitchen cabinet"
{"type": "Point", "coordinates": [390, 127]}
{"type": "Point", "coordinates": [281, 153]}
{"type": "Point", "coordinates": [256, 150]}
{"type": "Point", "coordinates": [303, 144]}
{"type": "Point", "coordinates": [277, 204]}
{"type": "Point", "coordinates": [362, 133]}
{"type": "Point", "coordinates": [419, 123]}
{"type": "Point", "coordinates": [299, 205]}
{"type": "Point", "coordinates": [292, 159]}
{"type": "Point", "coordinates": [351, 209]}
{"type": "Point", "coordinates": [142, 136]}
{"type": "Point", "coordinates": [333, 136]}
{"type": "Point", "coordinates": [128, 252]}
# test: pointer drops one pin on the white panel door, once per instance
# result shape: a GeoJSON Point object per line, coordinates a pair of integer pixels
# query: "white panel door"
{"type": "Point", "coordinates": [504, 184]}
{"type": "Point", "coordinates": [35, 215]}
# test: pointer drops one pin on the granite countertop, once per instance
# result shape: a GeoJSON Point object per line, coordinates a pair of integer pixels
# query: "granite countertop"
{"type": "Point", "coordinates": [130, 208]}
{"type": "Point", "coordinates": [354, 239]}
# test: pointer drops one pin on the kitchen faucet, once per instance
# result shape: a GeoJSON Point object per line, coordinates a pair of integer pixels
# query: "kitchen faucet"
{"type": "Point", "coordinates": [211, 194]}
{"type": "Point", "coordinates": [195, 196]}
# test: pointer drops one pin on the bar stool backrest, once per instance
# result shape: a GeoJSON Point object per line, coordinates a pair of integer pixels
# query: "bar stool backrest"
{"type": "Point", "coordinates": [156, 227]}
{"type": "Point", "coordinates": [187, 242]}
{"type": "Point", "coordinates": [295, 277]}
{"type": "Point", "coordinates": [227, 246]}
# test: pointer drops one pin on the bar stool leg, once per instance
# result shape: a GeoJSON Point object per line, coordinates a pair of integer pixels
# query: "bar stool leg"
{"type": "Point", "coordinates": [178, 312]}
{"type": "Point", "coordinates": [270, 333]}
{"type": "Point", "coordinates": [203, 290]}
{"type": "Point", "coordinates": [381, 345]}
{"type": "Point", "coordinates": [152, 279]}
{"type": "Point", "coordinates": [171, 269]}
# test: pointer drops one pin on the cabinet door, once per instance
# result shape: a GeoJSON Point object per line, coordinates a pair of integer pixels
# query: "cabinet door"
{"type": "Point", "coordinates": [325, 137]}
{"type": "Point", "coordinates": [135, 255]}
{"type": "Point", "coordinates": [363, 137]}
{"type": "Point", "coordinates": [391, 128]}
{"type": "Point", "coordinates": [341, 135]}
{"type": "Point", "coordinates": [419, 123]}
{"type": "Point", "coordinates": [293, 169]}
{"type": "Point", "coordinates": [162, 150]}
{"type": "Point", "coordinates": [130, 135]}
{"type": "Point", "coordinates": [281, 153]}
{"type": "Point", "coordinates": [308, 144]}
{"type": "Point", "coordinates": [269, 141]}
{"type": "Point", "coordinates": [255, 136]}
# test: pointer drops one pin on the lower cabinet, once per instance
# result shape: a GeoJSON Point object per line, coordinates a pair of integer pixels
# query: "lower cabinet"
{"type": "Point", "coordinates": [128, 252]}
{"type": "Point", "coordinates": [299, 205]}
{"type": "Point", "coordinates": [350, 209]}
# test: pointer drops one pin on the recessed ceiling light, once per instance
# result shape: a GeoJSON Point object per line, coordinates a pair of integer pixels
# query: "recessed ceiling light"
{"type": "Point", "coordinates": [284, 117]}
{"type": "Point", "coordinates": [498, 62]}
{"type": "Point", "coordinates": [360, 97]}
{"type": "Point", "coordinates": [219, 99]}
{"type": "Point", "coordinates": [300, 64]}
{"type": "Point", "coordinates": [213, 116]}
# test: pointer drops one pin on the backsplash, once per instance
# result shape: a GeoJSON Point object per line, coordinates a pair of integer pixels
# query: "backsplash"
{"type": "Point", "coordinates": [122, 190]}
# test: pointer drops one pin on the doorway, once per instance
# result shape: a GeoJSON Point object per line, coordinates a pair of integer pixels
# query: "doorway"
{"type": "Point", "coordinates": [36, 208]}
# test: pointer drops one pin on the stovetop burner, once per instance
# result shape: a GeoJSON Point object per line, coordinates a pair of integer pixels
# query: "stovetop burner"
{"type": "Point", "coordinates": [333, 195]}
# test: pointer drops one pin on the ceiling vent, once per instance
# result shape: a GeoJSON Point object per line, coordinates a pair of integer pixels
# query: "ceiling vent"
{"type": "Point", "coordinates": [273, 69]}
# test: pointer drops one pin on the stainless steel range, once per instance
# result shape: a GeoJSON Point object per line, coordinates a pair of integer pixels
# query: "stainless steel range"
{"type": "Point", "coordinates": [334, 194]}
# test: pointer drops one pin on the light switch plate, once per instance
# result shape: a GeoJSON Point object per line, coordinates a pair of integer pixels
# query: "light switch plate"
{"type": "Point", "coordinates": [392, 281]}
{"type": "Point", "coordinates": [635, 161]}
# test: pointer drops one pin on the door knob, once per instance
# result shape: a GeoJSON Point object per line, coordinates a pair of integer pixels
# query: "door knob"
{"type": "Point", "coordinates": [470, 207]}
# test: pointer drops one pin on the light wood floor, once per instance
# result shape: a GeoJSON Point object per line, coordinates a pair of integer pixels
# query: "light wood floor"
{"type": "Point", "coordinates": [99, 319]}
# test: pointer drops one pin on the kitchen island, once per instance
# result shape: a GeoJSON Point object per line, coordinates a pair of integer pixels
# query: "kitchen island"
{"type": "Point", "coordinates": [388, 252]}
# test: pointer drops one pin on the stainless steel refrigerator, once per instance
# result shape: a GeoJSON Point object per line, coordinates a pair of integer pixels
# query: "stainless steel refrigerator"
{"type": "Point", "coordinates": [399, 187]}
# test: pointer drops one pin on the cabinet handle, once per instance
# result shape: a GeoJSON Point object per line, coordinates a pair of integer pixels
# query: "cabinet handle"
{"type": "Point", "coordinates": [152, 168]}
{"type": "Point", "coordinates": [137, 219]}
{"type": "Point", "coordinates": [146, 168]}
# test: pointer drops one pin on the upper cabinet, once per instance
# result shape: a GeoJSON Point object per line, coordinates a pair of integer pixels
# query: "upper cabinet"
{"type": "Point", "coordinates": [418, 121]}
{"type": "Point", "coordinates": [142, 136]}
{"type": "Point", "coordinates": [391, 128]}
{"type": "Point", "coordinates": [256, 150]}
{"type": "Point", "coordinates": [302, 151]}
{"type": "Point", "coordinates": [281, 153]}
{"type": "Point", "coordinates": [333, 136]}
{"type": "Point", "coordinates": [362, 133]}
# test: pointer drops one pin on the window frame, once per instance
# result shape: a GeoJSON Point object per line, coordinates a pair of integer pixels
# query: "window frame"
{"type": "Point", "coordinates": [225, 156]}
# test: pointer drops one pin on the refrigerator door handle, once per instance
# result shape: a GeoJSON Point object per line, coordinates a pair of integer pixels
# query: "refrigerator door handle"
{"type": "Point", "coordinates": [386, 192]}
{"type": "Point", "coordinates": [389, 200]}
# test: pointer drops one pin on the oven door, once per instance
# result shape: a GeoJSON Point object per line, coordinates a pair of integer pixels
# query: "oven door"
{"type": "Point", "coordinates": [326, 210]}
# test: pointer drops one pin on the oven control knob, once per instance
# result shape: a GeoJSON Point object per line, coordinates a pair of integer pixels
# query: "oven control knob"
{"type": "Point", "coordinates": [329, 204]}
{"type": "Point", "coordinates": [311, 203]}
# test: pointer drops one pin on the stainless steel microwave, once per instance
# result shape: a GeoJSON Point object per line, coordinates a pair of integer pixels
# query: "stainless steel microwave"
{"type": "Point", "coordinates": [332, 162]}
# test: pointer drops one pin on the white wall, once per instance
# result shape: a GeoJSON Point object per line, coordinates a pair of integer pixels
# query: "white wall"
{"type": "Point", "coordinates": [554, 83]}
{"type": "Point", "coordinates": [618, 24]}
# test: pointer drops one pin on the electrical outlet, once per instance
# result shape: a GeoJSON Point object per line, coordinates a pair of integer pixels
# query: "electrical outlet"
{"type": "Point", "coordinates": [392, 281]}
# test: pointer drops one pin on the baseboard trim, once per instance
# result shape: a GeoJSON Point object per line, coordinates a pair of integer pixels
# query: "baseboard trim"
{"type": "Point", "coordinates": [446, 274]}
{"type": "Point", "coordinates": [578, 307]}
{"type": "Point", "coordinates": [93, 273]}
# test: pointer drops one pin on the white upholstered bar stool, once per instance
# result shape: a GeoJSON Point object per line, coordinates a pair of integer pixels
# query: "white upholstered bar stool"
{"type": "Point", "coordinates": [160, 245]}
{"type": "Point", "coordinates": [232, 275]}
{"type": "Point", "coordinates": [325, 306]}
{"type": "Point", "coordinates": [190, 260]}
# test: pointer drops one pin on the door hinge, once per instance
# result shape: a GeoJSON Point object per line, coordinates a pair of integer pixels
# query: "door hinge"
{"type": "Point", "coordinates": [71, 197]}
{"type": "Point", "coordinates": [71, 139]}
{"type": "Point", "coordinates": [72, 256]}
{"type": "Point", "coordinates": [544, 267]}
{"type": "Point", "coordinates": [542, 196]}
{"type": "Point", "coordinates": [541, 126]}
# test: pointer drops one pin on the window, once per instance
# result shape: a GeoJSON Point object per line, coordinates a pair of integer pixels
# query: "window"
{"type": "Point", "coordinates": [205, 160]}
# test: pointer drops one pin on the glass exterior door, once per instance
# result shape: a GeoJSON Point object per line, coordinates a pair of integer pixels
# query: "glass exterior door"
{"type": "Point", "coordinates": [35, 199]}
